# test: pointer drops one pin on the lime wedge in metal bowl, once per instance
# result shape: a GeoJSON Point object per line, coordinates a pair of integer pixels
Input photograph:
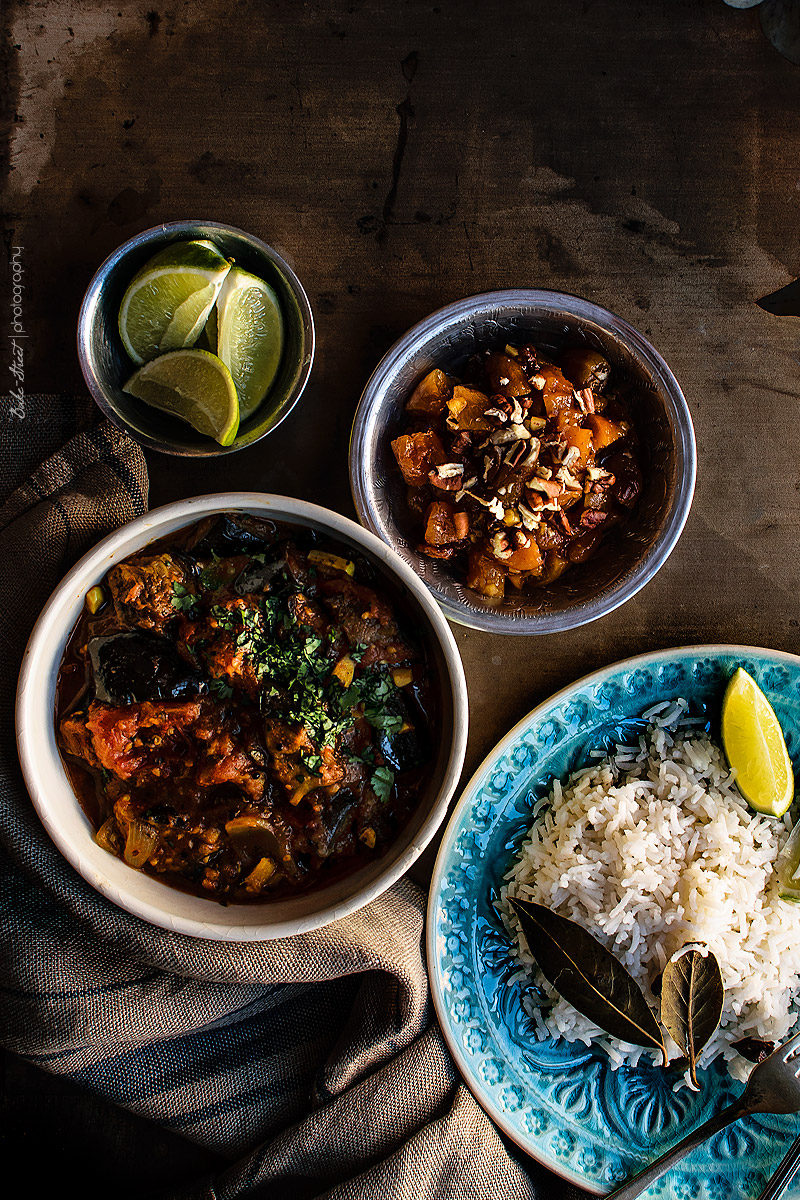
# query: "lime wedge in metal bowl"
{"type": "Point", "coordinates": [194, 386]}
{"type": "Point", "coordinates": [250, 336]}
{"type": "Point", "coordinates": [168, 301]}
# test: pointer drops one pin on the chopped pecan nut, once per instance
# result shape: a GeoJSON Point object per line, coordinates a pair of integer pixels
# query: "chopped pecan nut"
{"type": "Point", "coordinates": [500, 547]}
{"type": "Point", "coordinates": [450, 483]}
{"type": "Point", "coordinates": [461, 442]}
{"type": "Point", "coordinates": [549, 487]}
{"type": "Point", "coordinates": [516, 453]}
{"type": "Point", "coordinates": [590, 518]}
{"type": "Point", "coordinates": [563, 519]}
{"type": "Point", "coordinates": [436, 551]}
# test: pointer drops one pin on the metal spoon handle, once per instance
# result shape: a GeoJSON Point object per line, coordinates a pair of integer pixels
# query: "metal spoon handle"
{"type": "Point", "coordinates": [785, 1172]}
{"type": "Point", "coordinates": [635, 1186]}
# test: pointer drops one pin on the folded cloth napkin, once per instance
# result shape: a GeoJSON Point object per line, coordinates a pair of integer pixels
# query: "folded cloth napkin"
{"type": "Point", "coordinates": [311, 1063]}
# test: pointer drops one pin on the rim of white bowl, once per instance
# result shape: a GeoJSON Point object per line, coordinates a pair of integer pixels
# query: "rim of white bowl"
{"type": "Point", "coordinates": [48, 784]}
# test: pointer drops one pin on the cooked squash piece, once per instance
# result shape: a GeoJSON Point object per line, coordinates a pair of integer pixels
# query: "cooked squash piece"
{"type": "Point", "coordinates": [526, 558]}
{"type": "Point", "coordinates": [486, 575]}
{"type": "Point", "coordinates": [431, 394]}
{"type": "Point", "coordinates": [507, 376]}
{"type": "Point", "coordinates": [582, 439]}
{"type": "Point", "coordinates": [557, 393]}
{"type": "Point", "coordinates": [554, 565]}
{"type": "Point", "coordinates": [604, 432]}
{"type": "Point", "coordinates": [440, 527]}
{"type": "Point", "coordinates": [417, 454]}
{"type": "Point", "coordinates": [466, 408]}
{"type": "Point", "coordinates": [585, 368]}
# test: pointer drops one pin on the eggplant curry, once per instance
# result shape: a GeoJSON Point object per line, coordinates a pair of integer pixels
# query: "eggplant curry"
{"type": "Point", "coordinates": [517, 472]}
{"type": "Point", "coordinates": [241, 712]}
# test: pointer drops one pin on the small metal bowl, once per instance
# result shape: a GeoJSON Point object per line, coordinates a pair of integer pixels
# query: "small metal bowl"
{"type": "Point", "coordinates": [106, 365]}
{"type": "Point", "coordinates": [633, 552]}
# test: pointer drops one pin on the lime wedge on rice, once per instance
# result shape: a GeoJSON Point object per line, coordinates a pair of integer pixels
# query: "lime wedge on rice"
{"type": "Point", "coordinates": [755, 747]}
{"type": "Point", "coordinates": [167, 302]}
{"type": "Point", "coordinates": [249, 335]}
{"type": "Point", "coordinates": [193, 385]}
{"type": "Point", "coordinates": [788, 867]}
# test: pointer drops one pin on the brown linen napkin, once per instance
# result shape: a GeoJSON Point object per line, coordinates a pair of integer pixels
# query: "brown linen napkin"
{"type": "Point", "coordinates": [313, 1059]}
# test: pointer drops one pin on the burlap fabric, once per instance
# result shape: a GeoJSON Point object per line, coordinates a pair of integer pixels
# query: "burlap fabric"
{"type": "Point", "coordinates": [312, 1063]}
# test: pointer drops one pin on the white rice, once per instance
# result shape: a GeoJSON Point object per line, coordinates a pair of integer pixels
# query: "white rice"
{"type": "Point", "coordinates": [652, 848]}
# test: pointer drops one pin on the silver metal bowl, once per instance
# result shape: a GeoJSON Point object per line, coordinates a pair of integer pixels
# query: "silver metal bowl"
{"type": "Point", "coordinates": [106, 366]}
{"type": "Point", "coordinates": [633, 552]}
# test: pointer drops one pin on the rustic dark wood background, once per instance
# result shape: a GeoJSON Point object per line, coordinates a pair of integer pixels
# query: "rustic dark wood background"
{"type": "Point", "coordinates": [403, 154]}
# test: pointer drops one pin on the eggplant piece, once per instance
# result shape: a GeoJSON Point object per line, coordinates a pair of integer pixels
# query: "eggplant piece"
{"type": "Point", "coordinates": [336, 819]}
{"type": "Point", "coordinates": [228, 536]}
{"type": "Point", "coordinates": [404, 748]}
{"type": "Point", "coordinates": [259, 577]}
{"type": "Point", "coordinates": [189, 563]}
{"type": "Point", "coordinates": [129, 668]}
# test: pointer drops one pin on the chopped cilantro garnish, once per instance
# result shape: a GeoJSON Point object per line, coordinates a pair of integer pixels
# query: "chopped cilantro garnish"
{"type": "Point", "coordinates": [382, 782]}
{"type": "Point", "coordinates": [293, 667]}
{"type": "Point", "coordinates": [182, 599]}
{"type": "Point", "coordinates": [375, 691]}
{"type": "Point", "coordinates": [211, 577]}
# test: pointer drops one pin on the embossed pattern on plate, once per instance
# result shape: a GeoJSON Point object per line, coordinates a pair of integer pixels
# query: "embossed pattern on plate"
{"type": "Point", "coordinates": [561, 1102]}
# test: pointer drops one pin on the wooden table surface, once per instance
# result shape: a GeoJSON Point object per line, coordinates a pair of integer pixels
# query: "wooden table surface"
{"type": "Point", "coordinates": [403, 154]}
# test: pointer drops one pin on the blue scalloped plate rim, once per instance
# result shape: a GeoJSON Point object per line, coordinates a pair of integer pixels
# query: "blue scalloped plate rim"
{"type": "Point", "coordinates": [562, 1103]}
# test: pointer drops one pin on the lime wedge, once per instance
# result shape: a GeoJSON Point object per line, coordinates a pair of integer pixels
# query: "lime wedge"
{"type": "Point", "coordinates": [788, 866]}
{"type": "Point", "coordinates": [208, 335]}
{"type": "Point", "coordinates": [168, 301]}
{"type": "Point", "coordinates": [250, 336]}
{"type": "Point", "coordinates": [193, 385]}
{"type": "Point", "coordinates": [755, 747]}
{"type": "Point", "coordinates": [189, 319]}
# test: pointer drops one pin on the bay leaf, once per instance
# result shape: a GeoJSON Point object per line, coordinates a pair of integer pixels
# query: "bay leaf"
{"type": "Point", "coordinates": [588, 975]}
{"type": "Point", "coordinates": [692, 994]}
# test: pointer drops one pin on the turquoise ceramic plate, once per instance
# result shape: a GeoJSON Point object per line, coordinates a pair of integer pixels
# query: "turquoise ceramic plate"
{"type": "Point", "coordinates": [563, 1104]}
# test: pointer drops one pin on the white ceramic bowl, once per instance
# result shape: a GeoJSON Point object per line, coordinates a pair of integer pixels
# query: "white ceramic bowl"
{"type": "Point", "coordinates": [146, 897]}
